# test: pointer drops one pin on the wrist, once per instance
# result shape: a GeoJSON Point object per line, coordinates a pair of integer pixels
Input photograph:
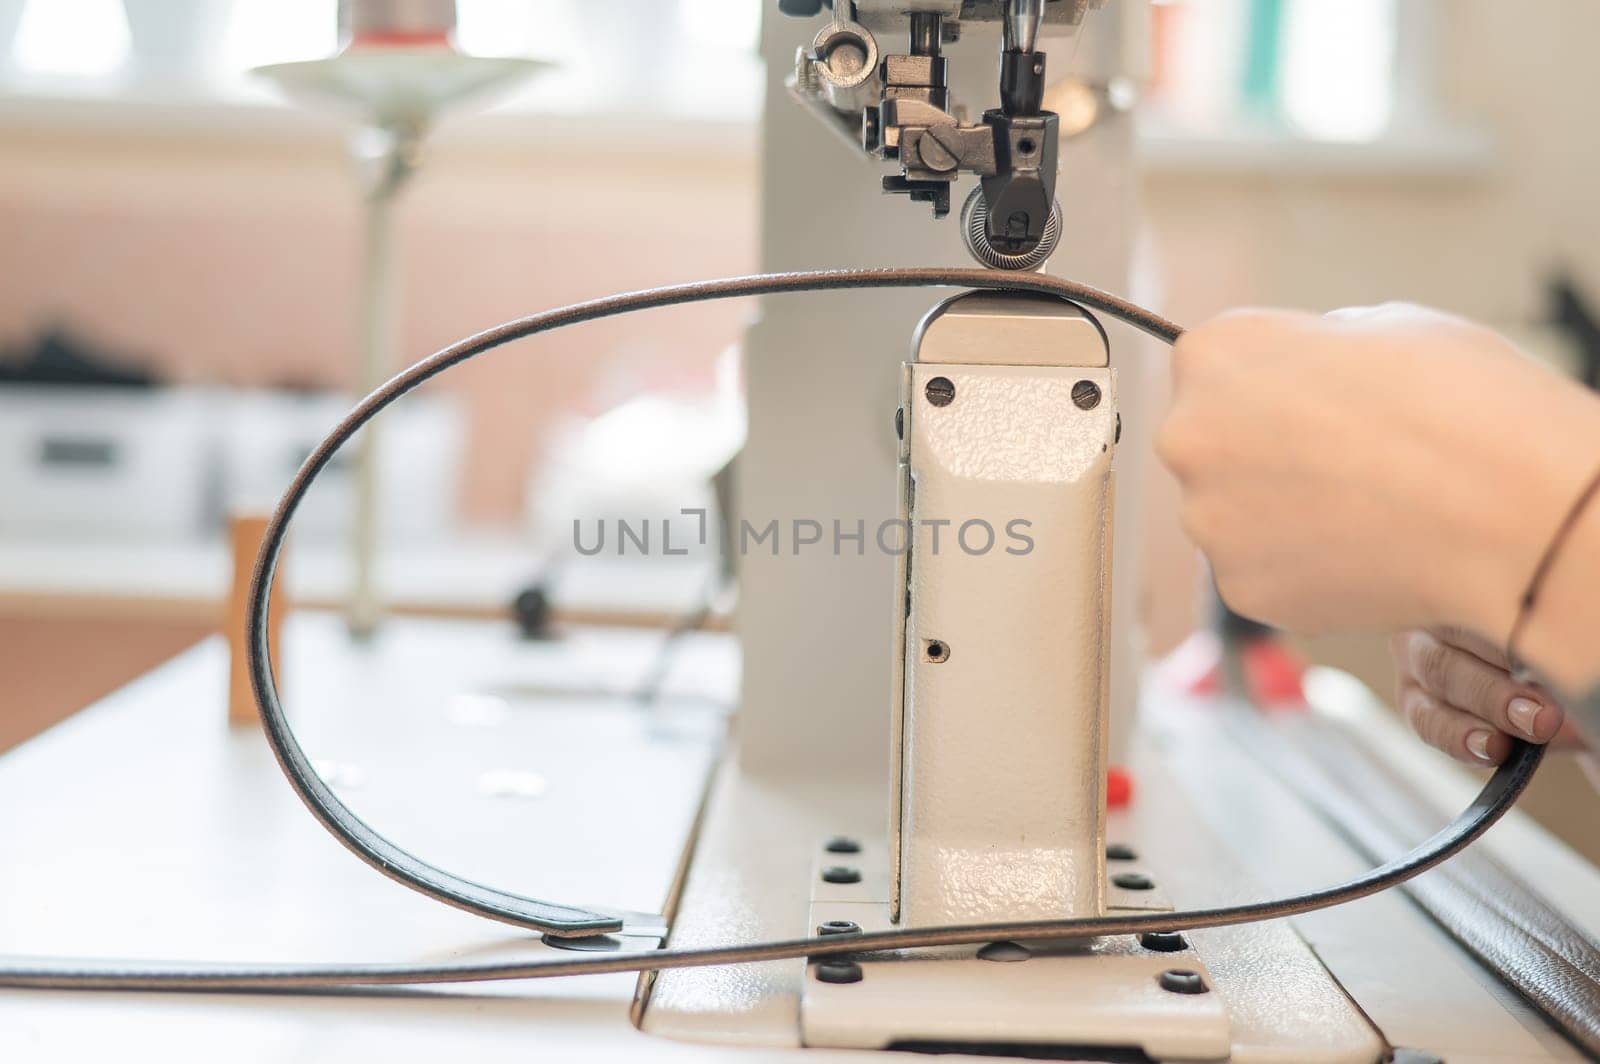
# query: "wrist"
{"type": "Point", "coordinates": [1560, 638]}
{"type": "Point", "coordinates": [1524, 486]}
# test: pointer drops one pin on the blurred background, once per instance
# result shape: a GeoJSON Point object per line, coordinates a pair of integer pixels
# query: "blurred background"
{"type": "Point", "coordinates": [183, 255]}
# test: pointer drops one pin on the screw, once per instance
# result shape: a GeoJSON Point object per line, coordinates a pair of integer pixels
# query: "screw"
{"type": "Point", "coordinates": [1182, 981]}
{"type": "Point", "coordinates": [838, 972]}
{"type": "Point", "coordinates": [1086, 394]}
{"type": "Point", "coordinates": [899, 422]}
{"type": "Point", "coordinates": [1133, 881]}
{"type": "Point", "coordinates": [936, 154]}
{"type": "Point", "coordinates": [839, 927]}
{"type": "Point", "coordinates": [842, 844]}
{"type": "Point", "coordinates": [1163, 941]}
{"type": "Point", "coordinates": [1119, 852]}
{"type": "Point", "coordinates": [871, 131]}
{"type": "Point", "coordinates": [941, 391]}
{"type": "Point", "coordinates": [938, 651]}
{"type": "Point", "coordinates": [1118, 438]}
{"type": "Point", "coordinates": [805, 73]}
{"type": "Point", "coordinates": [841, 874]}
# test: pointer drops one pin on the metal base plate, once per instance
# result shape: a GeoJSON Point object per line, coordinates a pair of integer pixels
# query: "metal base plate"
{"type": "Point", "coordinates": [1097, 993]}
{"type": "Point", "coordinates": [754, 864]}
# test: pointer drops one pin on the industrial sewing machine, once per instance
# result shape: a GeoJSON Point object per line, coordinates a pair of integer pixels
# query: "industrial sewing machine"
{"type": "Point", "coordinates": [959, 776]}
{"type": "Point", "coordinates": [972, 784]}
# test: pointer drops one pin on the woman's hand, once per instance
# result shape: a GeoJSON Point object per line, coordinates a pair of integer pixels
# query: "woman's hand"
{"type": "Point", "coordinates": [1456, 692]}
{"type": "Point", "coordinates": [1379, 469]}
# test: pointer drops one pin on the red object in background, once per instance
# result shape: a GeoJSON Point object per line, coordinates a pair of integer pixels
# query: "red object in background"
{"type": "Point", "coordinates": [431, 39]}
{"type": "Point", "coordinates": [1272, 670]}
{"type": "Point", "coordinates": [1119, 787]}
{"type": "Point", "coordinates": [1272, 673]}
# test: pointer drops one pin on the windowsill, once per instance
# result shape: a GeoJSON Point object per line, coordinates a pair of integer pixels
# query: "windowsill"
{"type": "Point", "coordinates": [1432, 151]}
{"type": "Point", "coordinates": [248, 109]}
{"type": "Point", "coordinates": [720, 123]}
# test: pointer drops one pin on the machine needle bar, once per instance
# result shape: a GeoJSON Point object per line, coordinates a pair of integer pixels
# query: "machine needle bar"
{"type": "Point", "coordinates": [1022, 24]}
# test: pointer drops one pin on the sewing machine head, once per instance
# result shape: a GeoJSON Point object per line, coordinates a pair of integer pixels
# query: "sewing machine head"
{"type": "Point", "coordinates": [898, 107]}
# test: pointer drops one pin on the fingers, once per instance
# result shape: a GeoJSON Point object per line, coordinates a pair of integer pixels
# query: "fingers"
{"type": "Point", "coordinates": [1463, 681]}
{"type": "Point", "coordinates": [1476, 644]}
{"type": "Point", "coordinates": [1565, 736]}
{"type": "Point", "coordinates": [1457, 696]}
{"type": "Point", "coordinates": [1462, 735]}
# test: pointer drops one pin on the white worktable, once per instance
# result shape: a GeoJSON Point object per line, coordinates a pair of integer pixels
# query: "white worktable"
{"type": "Point", "coordinates": [146, 827]}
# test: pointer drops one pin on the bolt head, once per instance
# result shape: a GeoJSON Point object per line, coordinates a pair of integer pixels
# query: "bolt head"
{"type": "Point", "coordinates": [871, 130]}
{"type": "Point", "coordinates": [1182, 981]}
{"type": "Point", "coordinates": [1133, 881]}
{"type": "Point", "coordinates": [1118, 851]}
{"type": "Point", "coordinates": [841, 874]}
{"type": "Point", "coordinates": [842, 844]}
{"type": "Point", "coordinates": [839, 927]}
{"type": "Point", "coordinates": [838, 972]}
{"type": "Point", "coordinates": [941, 391]}
{"type": "Point", "coordinates": [1163, 941]}
{"type": "Point", "coordinates": [1086, 395]}
{"type": "Point", "coordinates": [935, 154]}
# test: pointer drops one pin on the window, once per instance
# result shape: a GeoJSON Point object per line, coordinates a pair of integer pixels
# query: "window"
{"type": "Point", "coordinates": [688, 58]}
{"type": "Point", "coordinates": [73, 38]}
{"type": "Point", "coordinates": [1301, 68]}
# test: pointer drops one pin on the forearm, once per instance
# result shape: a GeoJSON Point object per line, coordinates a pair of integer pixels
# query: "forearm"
{"type": "Point", "coordinates": [1390, 468]}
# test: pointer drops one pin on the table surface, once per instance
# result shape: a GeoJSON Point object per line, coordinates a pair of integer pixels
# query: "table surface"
{"type": "Point", "coordinates": [146, 827]}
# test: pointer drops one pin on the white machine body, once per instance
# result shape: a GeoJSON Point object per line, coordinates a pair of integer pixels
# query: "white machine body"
{"type": "Point", "coordinates": [997, 809]}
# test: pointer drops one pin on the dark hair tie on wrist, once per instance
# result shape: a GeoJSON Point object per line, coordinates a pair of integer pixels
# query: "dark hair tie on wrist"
{"type": "Point", "coordinates": [1519, 669]}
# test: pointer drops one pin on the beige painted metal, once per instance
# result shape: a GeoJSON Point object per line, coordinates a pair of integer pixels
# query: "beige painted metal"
{"type": "Point", "coordinates": [1098, 993]}
{"type": "Point", "coordinates": [1000, 745]}
{"type": "Point", "coordinates": [822, 376]}
{"type": "Point", "coordinates": [753, 869]}
{"type": "Point", "coordinates": [1010, 329]}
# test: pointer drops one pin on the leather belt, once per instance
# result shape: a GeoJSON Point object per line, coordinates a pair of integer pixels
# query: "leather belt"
{"type": "Point", "coordinates": [559, 920]}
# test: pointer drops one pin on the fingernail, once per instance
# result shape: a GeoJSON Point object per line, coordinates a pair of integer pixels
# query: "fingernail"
{"type": "Point", "coordinates": [1524, 713]}
{"type": "Point", "coordinates": [1478, 743]}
